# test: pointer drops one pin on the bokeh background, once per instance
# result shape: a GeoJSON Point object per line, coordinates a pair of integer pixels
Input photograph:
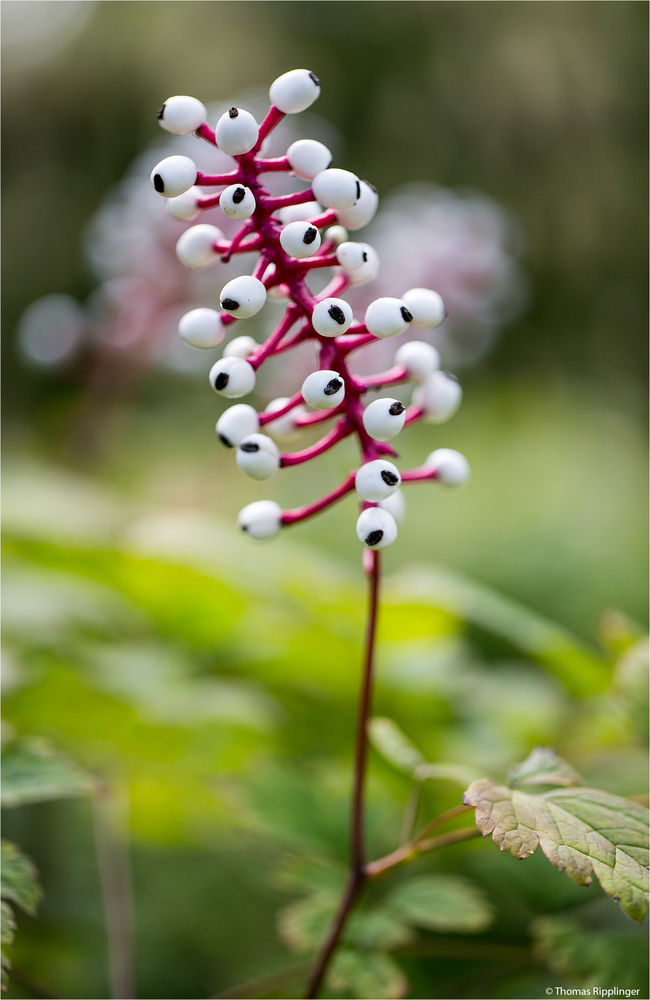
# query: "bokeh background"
{"type": "Point", "coordinates": [185, 669]}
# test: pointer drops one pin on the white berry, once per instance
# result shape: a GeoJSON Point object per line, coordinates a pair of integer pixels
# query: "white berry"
{"type": "Point", "coordinates": [336, 235]}
{"type": "Point", "coordinates": [419, 359]}
{"type": "Point", "coordinates": [426, 307]}
{"type": "Point", "coordinates": [395, 504]}
{"type": "Point", "coordinates": [368, 270]}
{"type": "Point", "coordinates": [384, 418]}
{"type": "Point", "coordinates": [336, 188]}
{"type": "Point", "coordinates": [196, 246]}
{"type": "Point", "coordinates": [182, 115]}
{"type": "Point", "coordinates": [363, 210]}
{"type": "Point", "coordinates": [202, 328]}
{"type": "Point", "coordinates": [232, 377]}
{"type": "Point", "coordinates": [300, 239]}
{"type": "Point", "coordinates": [451, 467]}
{"type": "Point", "coordinates": [439, 397]}
{"type": "Point", "coordinates": [331, 317]}
{"type": "Point", "coordinates": [236, 423]}
{"type": "Point", "coordinates": [351, 256]}
{"type": "Point", "coordinates": [376, 528]}
{"type": "Point", "coordinates": [260, 519]}
{"type": "Point", "coordinates": [258, 456]}
{"type": "Point", "coordinates": [323, 390]}
{"type": "Point", "coordinates": [294, 91]}
{"type": "Point", "coordinates": [285, 426]}
{"type": "Point", "coordinates": [236, 132]}
{"type": "Point", "coordinates": [299, 213]}
{"type": "Point", "coordinates": [184, 207]}
{"type": "Point", "coordinates": [243, 296]}
{"type": "Point", "coordinates": [377, 480]}
{"type": "Point", "coordinates": [240, 347]}
{"type": "Point", "coordinates": [387, 317]}
{"type": "Point", "coordinates": [173, 176]}
{"type": "Point", "coordinates": [307, 157]}
{"type": "Point", "coordinates": [237, 202]}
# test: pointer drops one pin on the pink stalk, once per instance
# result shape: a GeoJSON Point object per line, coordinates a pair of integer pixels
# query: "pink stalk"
{"type": "Point", "coordinates": [273, 117]}
{"type": "Point", "coordinates": [325, 260]}
{"type": "Point", "coordinates": [311, 509]}
{"type": "Point", "coordinates": [419, 475]}
{"type": "Point", "coordinates": [394, 376]}
{"type": "Point", "coordinates": [215, 180]}
{"type": "Point", "coordinates": [269, 346]}
{"type": "Point", "coordinates": [286, 200]}
{"type": "Point", "coordinates": [413, 413]}
{"type": "Point", "coordinates": [205, 132]}
{"type": "Point", "coordinates": [342, 430]}
{"type": "Point", "coordinates": [328, 218]}
{"type": "Point", "coordinates": [278, 163]}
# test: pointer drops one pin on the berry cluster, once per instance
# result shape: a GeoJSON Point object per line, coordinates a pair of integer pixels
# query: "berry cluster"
{"type": "Point", "coordinates": [286, 231]}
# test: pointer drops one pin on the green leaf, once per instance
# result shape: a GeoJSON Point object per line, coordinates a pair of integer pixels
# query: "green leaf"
{"type": "Point", "coordinates": [7, 924]}
{"type": "Point", "coordinates": [581, 831]}
{"type": "Point", "coordinates": [19, 879]}
{"type": "Point", "coordinates": [304, 924]}
{"type": "Point", "coordinates": [366, 976]}
{"type": "Point", "coordinates": [32, 772]}
{"type": "Point", "coordinates": [442, 903]}
{"type": "Point", "coordinates": [631, 682]}
{"type": "Point", "coordinates": [607, 959]}
{"type": "Point", "coordinates": [394, 746]}
{"type": "Point", "coordinates": [543, 767]}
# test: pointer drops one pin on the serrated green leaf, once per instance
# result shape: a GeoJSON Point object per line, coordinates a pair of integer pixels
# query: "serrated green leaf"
{"type": "Point", "coordinates": [543, 767]}
{"type": "Point", "coordinates": [366, 976]}
{"type": "Point", "coordinates": [18, 882]}
{"type": "Point", "coordinates": [7, 924]}
{"type": "Point", "coordinates": [394, 746]}
{"type": "Point", "coordinates": [442, 903]}
{"type": "Point", "coordinates": [607, 959]}
{"type": "Point", "coordinates": [303, 924]}
{"type": "Point", "coordinates": [33, 772]}
{"type": "Point", "coordinates": [581, 831]}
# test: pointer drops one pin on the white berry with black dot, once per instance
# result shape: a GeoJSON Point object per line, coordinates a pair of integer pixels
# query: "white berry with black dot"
{"type": "Point", "coordinates": [351, 255]}
{"type": "Point", "coordinates": [331, 317]}
{"type": "Point", "coordinates": [395, 504]}
{"type": "Point", "coordinates": [260, 520]}
{"type": "Point", "coordinates": [336, 188]}
{"type": "Point", "coordinates": [440, 396]}
{"type": "Point", "coordinates": [232, 377]}
{"type": "Point", "coordinates": [426, 307]}
{"type": "Point", "coordinates": [300, 239]}
{"type": "Point", "coordinates": [258, 456]}
{"type": "Point", "coordinates": [236, 132]}
{"type": "Point", "coordinates": [182, 115]}
{"type": "Point", "coordinates": [368, 270]}
{"type": "Point", "coordinates": [173, 176]}
{"type": "Point", "coordinates": [236, 423]}
{"type": "Point", "coordinates": [285, 426]}
{"type": "Point", "coordinates": [336, 235]}
{"type": "Point", "coordinates": [452, 468]}
{"type": "Point", "coordinates": [243, 297]}
{"type": "Point", "coordinates": [384, 418]}
{"type": "Point", "coordinates": [364, 209]}
{"type": "Point", "coordinates": [419, 358]}
{"type": "Point", "coordinates": [323, 390]}
{"type": "Point", "coordinates": [376, 480]}
{"type": "Point", "coordinates": [237, 202]}
{"type": "Point", "coordinates": [299, 213]}
{"type": "Point", "coordinates": [240, 347]}
{"type": "Point", "coordinates": [185, 207]}
{"type": "Point", "coordinates": [294, 91]}
{"type": "Point", "coordinates": [196, 246]}
{"type": "Point", "coordinates": [376, 528]}
{"type": "Point", "coordinates": [387, 317]}
{"type": "Point", "coordinates": [202, 328]}
{"type": "Point", "coordinates": [307, 157]}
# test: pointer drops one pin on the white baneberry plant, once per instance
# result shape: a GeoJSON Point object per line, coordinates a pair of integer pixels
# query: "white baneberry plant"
{"type": "Point", "coordinates": [294, 235]}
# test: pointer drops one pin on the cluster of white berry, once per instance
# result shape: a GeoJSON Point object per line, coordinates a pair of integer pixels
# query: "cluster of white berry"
{"type": "Point", "coordinates": [286, 231]}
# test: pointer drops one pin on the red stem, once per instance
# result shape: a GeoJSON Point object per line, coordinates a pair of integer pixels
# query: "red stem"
{"type": "Point", "coordinates": [205, 132]}
{"type": "Point", "coordinates": [309, 510]}
{"type": "Point", "coordinates": [273, 117]}
{"type": "Point", "coordinates": [215, 180]}
{"type": "Point", "coordinates": [342, 430]}
{"type": "Point", "coordinates": [278, 163]}
{"type": "Point", "coordinates": [357, 854]}
{"type": "Point", "coordinates": [286, 200]}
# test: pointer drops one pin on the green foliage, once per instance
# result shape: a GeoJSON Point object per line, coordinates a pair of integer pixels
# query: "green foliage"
{"type": "Point", "coordinates": [631, 682]}
{"type": "Point", "coordinates": [589, 957]}
{"type": "Point", "coordinates": [444, 903]}
{"type": "Point", "coordinates": [582, 831]}
{"type": "Point", "coordinates": [18, 885]}
{"type": "Point", "coordinates": [543, 767]}
{"type": "Point", "coordinates": [33, 772]}
{"type": "Point", "coordinates": [368, 975]}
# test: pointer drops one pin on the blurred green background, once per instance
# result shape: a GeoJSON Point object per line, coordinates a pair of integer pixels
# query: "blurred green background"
{"type": "Point", "coordinates": [186, 669]}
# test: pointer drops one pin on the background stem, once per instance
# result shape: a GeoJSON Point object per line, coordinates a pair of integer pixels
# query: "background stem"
{"type": "Point", "coordinates": [357, 852]}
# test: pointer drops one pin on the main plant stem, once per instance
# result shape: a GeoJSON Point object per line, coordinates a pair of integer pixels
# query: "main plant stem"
{"type": "Point", "coordinates": [356, 875]}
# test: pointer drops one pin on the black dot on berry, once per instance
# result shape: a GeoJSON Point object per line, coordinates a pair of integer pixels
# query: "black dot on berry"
{"type": "Point", "coordinates": [389, 477]}
{"type": "Point", "coordinates": [160, 112]}
{"type": "Point", "coordinates": [158, 183]}
{"type": "Point", "coordinates": [332, 386]}
{"type": "Point", "coordinates": [337, 314]}
{"type": "Point", "coordinates": [239, 195]}
{"type": "Point", "coordinates": [396, 409]}
{"type": "Point", "coordinates": [406, 315]}
{"type": "Point", "coordinates": [221, 380]}
{"type": "Point", "coordinates": [364, 257]}
{"type": "Point", "coordinates": [310, 235]}
{"type": "Point", "coordinates": [233, 112]}
{"type": "Point", "coordinates": [314, 78]}
{"type": "Point", "coordinates": [249, 446]}
{"type": "Point", "coordinates": [358, 190]}
{"type": "Point", "coordinates": [224, 440]}
{"type": "Point", "coordinates": [374, 537]}
{"type": "Point", "coordinates": [229, 304]}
